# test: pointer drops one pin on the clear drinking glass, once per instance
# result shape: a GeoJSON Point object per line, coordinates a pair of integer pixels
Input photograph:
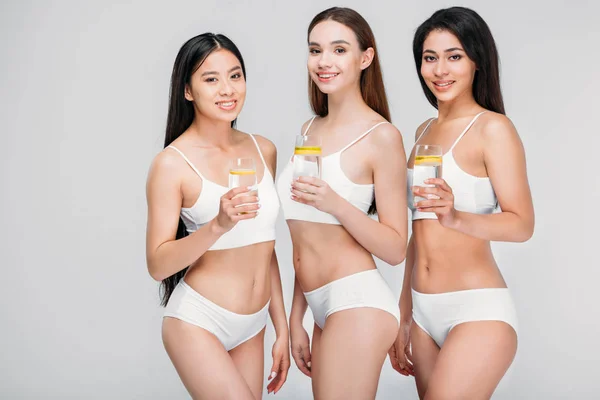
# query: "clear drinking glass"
{"type": "Point", "coordinates": [428, 164]}
{"type": "Point", "coordinates": [307, 156]}
{"type": "Point", "coordinates": [242, 172]}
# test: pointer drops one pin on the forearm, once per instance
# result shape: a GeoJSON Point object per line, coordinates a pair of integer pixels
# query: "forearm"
{"type": "Point", "coordinates": [299, 304]}
{"type": "Point", "coordinates": [277, 307]}
{"type": "Point", "coordinates": [503, 227]}
{"type": "Point", "coordinates": [379, 239]}
{"type": "Point", "coordinates": [406, 293]}
{"type": "Point", "coordinates": [175, 255]}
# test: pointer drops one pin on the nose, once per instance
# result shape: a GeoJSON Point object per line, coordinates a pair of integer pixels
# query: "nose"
{"type": "Point", "coordinates": [226, 88]}
{"type": "Point", "coordinates": [325, 60]}
{"type": "Point", "coordinates": [440, 68]}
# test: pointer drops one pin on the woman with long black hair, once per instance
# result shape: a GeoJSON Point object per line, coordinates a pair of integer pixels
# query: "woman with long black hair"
{"type": "Point", "coordinates": [210, 246]}
{"type": "Point", "coordinates": [464, 336]}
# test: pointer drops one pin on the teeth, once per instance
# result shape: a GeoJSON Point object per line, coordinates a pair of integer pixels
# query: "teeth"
{"type": "Point", "coordinates": [327, 76]}
{"type": "Point", "coordinates": [227, 104]}
{"type": "Point", "coordinates": [444, 84]}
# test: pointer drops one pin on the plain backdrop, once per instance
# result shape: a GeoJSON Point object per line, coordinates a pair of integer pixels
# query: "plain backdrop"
{"type": "Point", "coordinates": [83, 101]}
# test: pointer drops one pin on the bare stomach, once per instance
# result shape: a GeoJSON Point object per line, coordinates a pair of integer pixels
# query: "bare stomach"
{"type": "Point", "coordinates": [324, 253]}
{"type": "Point", "coordinates": [447, 260]}
{"type": "Point", "coordinates": [235, 279]}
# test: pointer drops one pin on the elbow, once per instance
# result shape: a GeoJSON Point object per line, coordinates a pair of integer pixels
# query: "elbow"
{"type": "Point", "coordinates": [397, 257]}
{"type": "Point", "coordinates": [525, 234]}
{"type": "Point", "coordinates": [156, 275]}
{"type": "Point", "coordinates": [155, 272]}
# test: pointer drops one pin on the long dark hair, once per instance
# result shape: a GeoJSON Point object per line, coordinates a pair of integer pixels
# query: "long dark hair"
{"type": "Point", "coordinates": [181, 111]}
{"type": "Point", "coordinates": [477, 41]}
{"type": "Point", "coordinates": [371, 78]}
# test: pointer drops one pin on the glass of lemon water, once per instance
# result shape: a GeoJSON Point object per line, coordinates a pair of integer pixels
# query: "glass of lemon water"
{"type": "Point", "coordinates": [428, 164]}
{"type": "Point", "coordinates": [307, 156]}
{"type": "Point", "coordinates": [242, 172]}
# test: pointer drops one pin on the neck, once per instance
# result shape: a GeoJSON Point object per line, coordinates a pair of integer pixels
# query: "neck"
{"type": "Point", "coordinates": [345, 104]}
{"type": "Point", "coordinates": [462, 105]}
{"type": "Point", "coordinates": [212, 132]}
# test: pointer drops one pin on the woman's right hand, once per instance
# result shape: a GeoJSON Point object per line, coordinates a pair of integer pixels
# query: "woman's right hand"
{"type": "Point", "coordinates": [300, 347]}
{"type": "Point", "coordinates": [400, 353]}
{"type": "Point", "coordinates": [231, 210]}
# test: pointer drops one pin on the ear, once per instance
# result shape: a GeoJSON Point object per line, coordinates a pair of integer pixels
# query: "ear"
{"type": "Point", "coordinates": [188, 93]}
{"type": "Point", "coordinates": [367, 58]}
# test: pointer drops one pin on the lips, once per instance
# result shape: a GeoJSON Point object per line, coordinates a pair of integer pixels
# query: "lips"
{"type": "Point", "coordinates": [443, 85]}
{"type": "Point", "coordinates": [227, 105]}
{"type": "Point", "coordinates": [327, 76]}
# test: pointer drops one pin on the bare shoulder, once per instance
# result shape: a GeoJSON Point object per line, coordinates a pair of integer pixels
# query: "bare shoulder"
{"type": "Point", "coordinates": [268, 150]}
{"type": "Point", "coordinates": [165, 163]}
{"type": "Point", "coordinates": [266, 146]}
{"type": "Point", "coordinates": [165, 172]}
{"type": "Point", "coordinates": [387, 135]}
{"type": "Point", "coordinates": [497, 127]}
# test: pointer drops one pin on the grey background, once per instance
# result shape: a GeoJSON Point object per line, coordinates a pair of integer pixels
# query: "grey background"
{"type": "Point", "coordinates": [83, 101]}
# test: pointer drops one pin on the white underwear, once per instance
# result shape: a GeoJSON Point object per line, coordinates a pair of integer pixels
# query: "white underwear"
{"type": "Point", "coordinates": [363, 289]}
{"type": "Point", "coordinates": [438, 313]}
{"type": "Point", "coordinates": [230, 328]}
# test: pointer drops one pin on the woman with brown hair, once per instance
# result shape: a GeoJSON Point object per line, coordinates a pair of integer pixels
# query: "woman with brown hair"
{"type": "Point", "coordinates": [334, 239]}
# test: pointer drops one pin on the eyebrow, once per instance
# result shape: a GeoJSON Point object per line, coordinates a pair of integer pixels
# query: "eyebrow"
{"type": "Point", "coordinates": [340, 41]}
{"type": "Point", "coordinates": [237, 67]}
{"type": "Point", "coordinates": [445, 51]}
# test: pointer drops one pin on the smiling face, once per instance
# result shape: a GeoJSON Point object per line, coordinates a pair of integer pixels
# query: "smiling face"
{"type": "Point", "coordinates": [218, 87]}
{"type": "Point", "coordinates": [447, 70]}
{"type": "Point", "coordinates": [335, 60]}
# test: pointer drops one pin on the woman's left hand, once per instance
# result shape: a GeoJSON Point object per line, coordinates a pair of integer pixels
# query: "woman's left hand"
{"type": "Point", "coordinates": [439, 200]}
{"type": "Point", "coordinates": [281, 363]}
{"type": "Point", "coordinates": [315, 192]}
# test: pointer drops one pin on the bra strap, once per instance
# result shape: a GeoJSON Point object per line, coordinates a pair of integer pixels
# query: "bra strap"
{"type": "Point", "coordinates": [363, 135]}
{"type": "Point", "coordinates": [424, 130]}
{"type": "Point", "coordinates": [465, 131]}
{"type": "Point", "coordinates": [308, 127]}
{"type": "Point", "coordinates": [186, 160]}
{"type": "Point", "coordinates": [259, 152]}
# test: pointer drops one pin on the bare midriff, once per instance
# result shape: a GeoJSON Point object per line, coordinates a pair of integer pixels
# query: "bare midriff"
{"type": "Point", "coordinates": [235, 279]}
{"type": "Point", "coordinates": [324, 253]}
{"type": "Point", "coordinates": [447, 260]}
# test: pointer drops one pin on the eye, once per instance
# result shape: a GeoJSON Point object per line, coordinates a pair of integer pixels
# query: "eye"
{"type": "Point", "coordinates": [429, 58]}
{"type": "Point", "coordinates": [210, 80]}
{"type": "Point", "coordinates": [455, 57]}
{"type": "Point", "coordinates": [340, 50]}
{"type": "Point", "coordinates": [236, 76]}
{"type": "Point", "coordinates": [314, 51]}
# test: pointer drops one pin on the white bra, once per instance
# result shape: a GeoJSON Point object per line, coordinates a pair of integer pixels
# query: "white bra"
{"type": "Point", "coordinates": [244, 233]}
{"type": "Point", "coordinates": [471, 193]}
{"type": "Point", "coordinates": [359, 195]}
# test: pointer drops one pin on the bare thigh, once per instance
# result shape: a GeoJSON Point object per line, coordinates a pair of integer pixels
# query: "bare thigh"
{"type": "Point", "coordinates": [204, 366]}
{"type": "Point", "coordinates": [351, 350]}
{"type": "Point", "coordinates": [424, 354]}
{"type": "Point", "coordinates": [316, 340]}
{"type": "Point", "coordinates": [249, 359]}
{"type": "Point", "coordinates": [472, 361]}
